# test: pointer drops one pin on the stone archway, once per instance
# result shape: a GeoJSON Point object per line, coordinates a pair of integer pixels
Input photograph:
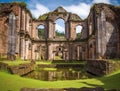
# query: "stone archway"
{"type": "Point", "coordinates": [51, 42]}
{"type": "Point", "coordinates": [41, 31]}
{"type": "Point", "coordinates": [59, 28]}
{"type": "Point", "coordinates": [78, 30]}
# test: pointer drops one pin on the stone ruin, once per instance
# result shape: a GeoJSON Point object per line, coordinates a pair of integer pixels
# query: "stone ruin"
{"type": "Point", "coordinates": [100, 36]}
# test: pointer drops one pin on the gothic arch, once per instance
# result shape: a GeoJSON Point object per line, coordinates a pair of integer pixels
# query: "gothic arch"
{"type": "Point", "coordinates": [70, 19]}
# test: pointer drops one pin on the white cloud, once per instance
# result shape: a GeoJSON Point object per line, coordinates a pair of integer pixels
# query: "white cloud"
{"type": "Point", "coordinates": [59, 28]}
{"type": "Point", "coordinates": [39, 10]}
{"type": "Point", "coordinates": [82, 9]}
{"type": "Point", "coordinates": [101, 1]}
{"type": "Point", "coordinates": [78, 29]}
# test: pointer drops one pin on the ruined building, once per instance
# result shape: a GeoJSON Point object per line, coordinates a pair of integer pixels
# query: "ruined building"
{"type": "Point", "coordinates": [100, 36]}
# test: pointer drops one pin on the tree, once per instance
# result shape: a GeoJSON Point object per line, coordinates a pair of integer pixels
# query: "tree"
{"type": "Point", "coordinates": [41, 33]}
{"type": "Point", "coordinates": [59, 33]}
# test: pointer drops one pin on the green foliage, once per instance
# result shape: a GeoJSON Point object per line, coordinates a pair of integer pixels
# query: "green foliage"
{"type": "Point", "coordinates": [22, 4]}
{"type": "Point", "coordinates": [59, 33]}
{"type": "Point", "coordinates": [43, 17]}
{"type": "Point", "coordinates": [41, 33]}
{"type": "Point", "coordinates": [78, 35]}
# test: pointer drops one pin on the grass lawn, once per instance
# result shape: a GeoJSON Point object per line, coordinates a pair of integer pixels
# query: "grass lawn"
{"type": "Point", "coordinates": [14, 63]}
{"type": "Point", "coordinates": [43, 62]}
{"type": "Point", "coordinates": [59, 62]}
{"type": "Point", "coordinates": [10, 82]}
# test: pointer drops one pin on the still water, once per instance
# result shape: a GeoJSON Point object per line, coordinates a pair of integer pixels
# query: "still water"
{"type": "Point", "coordinates": [58, 74]}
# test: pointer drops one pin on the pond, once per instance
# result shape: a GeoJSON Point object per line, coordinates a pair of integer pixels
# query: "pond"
{"type": "Point", "coordinates": [58, 74]}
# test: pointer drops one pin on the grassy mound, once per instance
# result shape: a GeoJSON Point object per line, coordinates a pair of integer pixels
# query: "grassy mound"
{"type": "Point", "coordinates": [10, 82]}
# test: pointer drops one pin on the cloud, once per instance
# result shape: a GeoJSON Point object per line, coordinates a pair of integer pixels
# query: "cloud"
{"type": "Point", "coordinates": [82, 9]}
{"type": "Point", "coordinates": [78, 29]}
{"type": "Point", "coordinates": [59, 28]}
{"type": "Point", "coordinates": [39, 10]}
{"type": "Point", "coordinates": [101, 1]}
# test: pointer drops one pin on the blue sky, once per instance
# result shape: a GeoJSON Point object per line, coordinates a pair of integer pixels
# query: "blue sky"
{"type": "Point", "coordinates": [80, 7]}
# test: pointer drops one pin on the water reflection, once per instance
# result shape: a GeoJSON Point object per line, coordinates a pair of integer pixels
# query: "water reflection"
{"type": "Point", "coordinates": [59, 74]}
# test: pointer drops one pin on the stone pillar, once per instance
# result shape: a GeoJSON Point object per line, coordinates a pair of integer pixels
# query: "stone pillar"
{"type": "Point", "coordinates": [64, 56]}
{"type": "Point", "coordinates": [50, 52]}
{"type": "Point", "coordinates": [67, 30]}
{"type": "Point", "coordinates": [50, 30]}
{"type": "Point", "coordinates": [12, 37]}
{"type": "Point", "coordinates": [54, 32]}
{"type": "Point", "coordinates": [17, 44]}
{"type": "Point", "coordinates": [70, 52]}
{"type": "Point", "coordinates": [54, 55]}
{"type": "Point", "coordinates": [93, 56]}
{"type": "Point", "coordinates": [33, 51]}
{"type": "Point", "coordinates": [78, 53]}
{"type": "Point", "coordinates": [22, 47]}
{"type": "Point", "coordinates": [103, 37]}
{"type": "Point", "coordinates": [73, 52]}
{"type": "Point", "coordinates": [26, 49]}
{"type": "Point", "coordinates": [99, 38]}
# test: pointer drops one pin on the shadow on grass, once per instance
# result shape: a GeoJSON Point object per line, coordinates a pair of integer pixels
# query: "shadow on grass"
{"type": "Point", "coordinates": [109, 82]}
{"type": "Point", "coordinates": [91, 85]}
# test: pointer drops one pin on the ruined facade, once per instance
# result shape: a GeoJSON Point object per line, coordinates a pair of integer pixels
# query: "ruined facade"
{"type": "Point", "coordinates": [100, 36]}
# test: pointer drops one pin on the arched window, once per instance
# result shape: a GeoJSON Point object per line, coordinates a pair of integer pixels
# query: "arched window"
{"type": "Point", "coordinates": [78, 31]}
{"type": "Point", "coordinates": [59, 28]}
{"type": "Point", "coordinates": [41, 31]}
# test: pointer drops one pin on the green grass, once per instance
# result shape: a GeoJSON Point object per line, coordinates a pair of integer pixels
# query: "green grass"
{"type": "Point", "coordinates": [50, 69]}
{"type": "Point", "coordinates": [43, 62]}
{"type": "Point", "coordinates": [58, 58]}
{"type": "Point", "coordinates": [59, 62]}
{"type": "Point", "coordinates": [10, 82]}
{"type": "Point", "coordinates": [114, 60]}
{"type": "Point", "coordinates": [15, 63]}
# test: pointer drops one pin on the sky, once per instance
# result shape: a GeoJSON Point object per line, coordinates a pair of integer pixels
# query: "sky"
{"type": "Point", "coordinates": [80, 7]}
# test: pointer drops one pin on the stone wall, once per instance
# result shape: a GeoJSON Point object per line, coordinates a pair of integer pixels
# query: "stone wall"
{"type": "Point", "coordinates": [99, 36]}
{"type": "Point", "coordinates": [102, 67]}
{"type": "Point", "coordinates": [61, 65]}
{"type": "Point", "coordinates": [3, 35]}
{"type": "Point", "coordinates": [106, 31]}
{"type": "Point", "coordinates": [22, 69]}
{"type": "Point", "coordinates": [67, 89]}
{"type": "Point", "coordinates": [3, 66]}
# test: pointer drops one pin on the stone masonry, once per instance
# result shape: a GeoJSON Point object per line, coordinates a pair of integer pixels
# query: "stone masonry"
{"type": "Point", "coordinates": [100, 36]}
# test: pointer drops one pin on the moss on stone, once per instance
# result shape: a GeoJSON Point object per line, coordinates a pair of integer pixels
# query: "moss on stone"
{"type": "Point", "coordinates": [43, 17]}
{"type": "Point", "coordinates": [22, 4]}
